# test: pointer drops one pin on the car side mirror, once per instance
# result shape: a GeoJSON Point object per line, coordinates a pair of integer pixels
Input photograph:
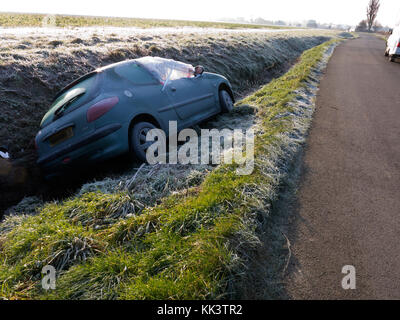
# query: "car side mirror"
{"type": "Point", "coordinates": [198, 71]}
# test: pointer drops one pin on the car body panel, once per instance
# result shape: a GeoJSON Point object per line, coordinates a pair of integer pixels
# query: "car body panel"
{"type": "Point", "coordinates": [185, 103]}
{"type": "Point", "coordinates": [139, 93]}
{"type": "Point", "coordinates": [392, 43]}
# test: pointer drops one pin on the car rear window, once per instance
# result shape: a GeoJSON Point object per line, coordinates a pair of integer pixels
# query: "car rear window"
{"type": "Point", "coordinates": [135, 74]}
{"type": "Point", "coordinates": [69, 100]}
{"type": "Point", "coordinates": [85, 84]}
{"type": "Point", "coordinates": [82, 88]}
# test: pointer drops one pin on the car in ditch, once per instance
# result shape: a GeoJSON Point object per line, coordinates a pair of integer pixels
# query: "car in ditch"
{"type": "Point", "coordinates": [109, 111]}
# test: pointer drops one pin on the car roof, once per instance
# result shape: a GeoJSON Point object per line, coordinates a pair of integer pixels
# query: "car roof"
{"type": "Point", "coordinates": [162, 67]}
{"type": "Point", "coordinates": [114, 65]}
{"type": "Point", "coordinates": [157, 66]}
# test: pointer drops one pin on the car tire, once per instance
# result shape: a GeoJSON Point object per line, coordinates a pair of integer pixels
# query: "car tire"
{"type": "Point", "coordinates": [391, 59]}
{"type": "Point", "coordinates": [137, 139]}
{"type": "Point", "coordinates": [386, 53]}
{"type": "Point", "coordinates": [226, 101]}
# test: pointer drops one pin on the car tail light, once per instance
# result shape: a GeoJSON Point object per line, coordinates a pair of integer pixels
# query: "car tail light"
{"type": "Point", "coordinates": [398, 45]}
{"type": "Point", "coordinates": [101, 108]}
{"type": "Point", "coordinates": [66, 160]}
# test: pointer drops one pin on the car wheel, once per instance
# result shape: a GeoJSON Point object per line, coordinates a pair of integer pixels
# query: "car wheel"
{"type": "Point", "coordinates": [391, 58]}
{"type": "Point", "coordinates": [386, 53]}
{"type": "Point", "coordinates": [138, 143]}
{"type": "Point", "coordinates": [225, 101]}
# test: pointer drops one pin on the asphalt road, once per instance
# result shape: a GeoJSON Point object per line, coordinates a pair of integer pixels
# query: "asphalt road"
{"type": "Point", "coordinates": [349, 197]}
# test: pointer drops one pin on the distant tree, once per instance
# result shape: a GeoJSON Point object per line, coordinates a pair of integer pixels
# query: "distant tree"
{"type": "Point", "coordinates": [262, 21]}
{"type": "Point", "coordinates": [241, 19]}
{"type": "Point", "coordinates": [372, 12]}
{"type": "Point", "coordinates": [280, 23]}
{"type": "Point", "coordinates": [377, 26]}
{"type": "Point", "coordinates": [312, 24]}
{"type": "Point", "coordinates": [362, 26]}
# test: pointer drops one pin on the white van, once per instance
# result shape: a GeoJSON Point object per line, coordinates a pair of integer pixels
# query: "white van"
{"type": "Point", "coordinates": [393, 45]}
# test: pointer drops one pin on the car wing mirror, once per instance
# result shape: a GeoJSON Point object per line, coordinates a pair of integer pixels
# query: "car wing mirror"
{"type": "Point", "coordinates": [198, 71]}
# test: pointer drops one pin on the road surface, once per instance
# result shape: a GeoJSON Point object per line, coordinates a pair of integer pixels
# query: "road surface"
{"type": "Point", "coordinates": [349, 196]}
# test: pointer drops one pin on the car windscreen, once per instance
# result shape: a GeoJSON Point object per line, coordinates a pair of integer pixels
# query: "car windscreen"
{"type": "Point", "coordinates": [69, 99]}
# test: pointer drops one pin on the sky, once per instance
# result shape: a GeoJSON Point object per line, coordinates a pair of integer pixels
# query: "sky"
{"type": "Point", "coordinates": [348, 12]}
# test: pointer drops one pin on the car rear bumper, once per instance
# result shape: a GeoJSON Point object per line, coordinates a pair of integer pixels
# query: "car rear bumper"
{"type": "Point", "coordinates": [395, 53]}
{"type": "Point", "coordinates": [99, 144]}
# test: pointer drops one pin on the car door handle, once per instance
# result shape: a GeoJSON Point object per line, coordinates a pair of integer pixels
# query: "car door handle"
{"type": "Point", "coordinates": [173, 89]}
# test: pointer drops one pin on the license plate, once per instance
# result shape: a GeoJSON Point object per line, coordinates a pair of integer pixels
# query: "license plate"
{"type": "Point", "coordinates": [61, 136]}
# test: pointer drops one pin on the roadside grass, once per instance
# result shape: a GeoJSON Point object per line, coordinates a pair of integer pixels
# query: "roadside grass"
{"type": "Point", "coordinates": [382, 36]}
{"type": "Point", "coordinates": [36, 20]}
{"type": "Point", "coordinates": [348, 35]}
{"type": "Point", "coordinates": [195, 244]}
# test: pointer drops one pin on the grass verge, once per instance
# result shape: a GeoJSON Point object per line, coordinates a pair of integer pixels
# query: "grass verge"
{"type": "Point", "coordinates": [193, 245]}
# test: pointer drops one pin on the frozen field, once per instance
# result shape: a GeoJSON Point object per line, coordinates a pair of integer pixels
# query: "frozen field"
{"type": "Point", "coordinates": [125, 31]}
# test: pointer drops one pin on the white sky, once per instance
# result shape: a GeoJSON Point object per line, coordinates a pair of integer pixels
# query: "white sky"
{"type": "Point", "coordinates": [330, 11]}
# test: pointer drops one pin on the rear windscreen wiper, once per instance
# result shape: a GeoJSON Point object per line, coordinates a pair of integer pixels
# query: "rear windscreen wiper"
{"type": "Point", "coordinates": [60, 111]}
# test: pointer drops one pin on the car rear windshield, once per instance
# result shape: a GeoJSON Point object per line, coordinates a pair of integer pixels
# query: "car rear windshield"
{"type": "Point", "coordinates": [69, 99]}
